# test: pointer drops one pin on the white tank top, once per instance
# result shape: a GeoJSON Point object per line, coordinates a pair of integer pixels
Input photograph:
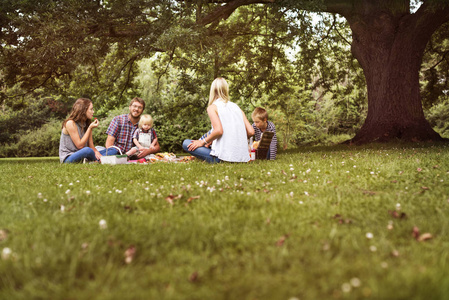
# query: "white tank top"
{"type": "Point", "coordinates": [232, 146]}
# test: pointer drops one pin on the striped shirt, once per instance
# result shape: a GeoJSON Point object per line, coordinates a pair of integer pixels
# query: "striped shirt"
{"type": "Point", "coordinates": [122, 129]}
{"type": "Point", "coordinates": [274, 142]}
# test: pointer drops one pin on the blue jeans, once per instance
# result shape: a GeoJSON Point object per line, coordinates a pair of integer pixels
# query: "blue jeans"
{"type": "Point", "coordinates": [202, 153]}
{"type": "Point", "coordinates": [111, 151]}
{"type": "Point", "coordinates": [81, 154]}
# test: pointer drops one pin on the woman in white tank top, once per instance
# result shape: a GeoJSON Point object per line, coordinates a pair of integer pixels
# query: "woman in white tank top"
{"type": "Point", "coordinates": [230, 129]}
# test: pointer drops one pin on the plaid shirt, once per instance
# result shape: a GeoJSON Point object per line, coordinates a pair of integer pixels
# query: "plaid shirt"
{"type": "Point", "coordinates": [274, 142]}
{"type": "Point", "coordinates": [122, 130]}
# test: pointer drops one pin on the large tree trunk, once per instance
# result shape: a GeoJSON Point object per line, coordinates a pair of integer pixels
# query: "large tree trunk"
{"type": "Point", "coordinates": [390, 49]}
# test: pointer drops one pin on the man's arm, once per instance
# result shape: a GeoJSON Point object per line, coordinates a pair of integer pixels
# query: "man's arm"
{"type": "Point", "coordinates": [110, 141]}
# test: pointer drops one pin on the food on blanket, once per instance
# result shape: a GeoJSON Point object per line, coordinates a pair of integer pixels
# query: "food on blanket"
{"type": "Point", "coordinates": [165, 155]}
{"type": "Point", "coordinates": [187, 158]}
{"type": "Point", "coordinates": [255, 145]}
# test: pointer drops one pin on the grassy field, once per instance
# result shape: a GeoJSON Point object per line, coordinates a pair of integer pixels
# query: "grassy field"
{"type": "Point", "coordinates": [318, 223]}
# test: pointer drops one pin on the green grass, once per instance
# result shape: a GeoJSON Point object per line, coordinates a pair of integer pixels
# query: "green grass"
{"type": "Point", "coordinates": [295, 228]}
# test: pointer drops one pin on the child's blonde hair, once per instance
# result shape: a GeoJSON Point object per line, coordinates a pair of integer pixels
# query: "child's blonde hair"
{"type": "Point", "coordinates": [146, 119]}
{"type": "Point", "coordinates": [259, 113]}
{"type": "Point", "coordinates": [219, 89]}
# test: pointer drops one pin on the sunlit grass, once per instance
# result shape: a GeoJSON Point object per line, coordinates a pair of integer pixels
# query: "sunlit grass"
{"type": "Point", "coordinates": [318, 223]}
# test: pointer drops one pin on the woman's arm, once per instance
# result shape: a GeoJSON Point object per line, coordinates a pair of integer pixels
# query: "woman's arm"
{"type": "Point", "coordinates": [91, 145]}
{"type": "Point", "coordinates": [249, 128]}
{"type": "Point", "coordinates": [72, 129]}
{"type": "Point", "coordinates": [216, 133]}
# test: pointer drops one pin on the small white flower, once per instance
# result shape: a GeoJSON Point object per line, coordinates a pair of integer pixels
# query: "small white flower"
{"type": "Point", "coordinates": [355, 282]}
{"type": "Point", "coordinates": [88, 192]}
{"type": "Point", "coordinates": [369, 235]}
{"type": "Point", "coordinates": [6, 253]}
{"type": "Point", "coordinates": [308, 170]}
{"type": "Point", "coordinates": [45, 200]}
{"type": "Point", "coordinates": [39, 195]}
{"type": "Point", "coordinates": [241, 179]}
{"type": "Point", "coordinates": [300, 202]}
{"type": "Point", "coordinates": [60, 185]}
{"type": "Point", "coordinates": [291, 194]}
{"type": "Point", "coordinates": [226, 177]}
{"type": "Point", "coordinates": [398, 206]}
{"type": "Point", "coordinates": [291, 169]}
{"type": "Point", "coordinates": [373, 248]}
{"type": "Point", "coordinates": [182, 178]}
{"type": "Point", "coordinates": [306, 193]}
{"type": "Point", "coordinates": [372, 173]}
{"type": "Point", "coordinates": [355, 166]}
{"type": "Point", "coordinates": [77, 181]}
{"type": "Point", "coordinates": [62, 208]}
{"type": "Point", "coordinates": [103, 224]}
{"type": "Point", "coordinates": [218, 181]}
{"type": "Point", "coordinates": [71, 183]}
{"type": "Point", "coordinates": [346, 287]}
{"type": "Point", "coordinates": [268, 173]}
{"type": "Point", "coordinates": [291, 165]}
{"type": "Point", "coordinates": [147, 189]}
{"type": "Point", "coordinates": [67, 192]}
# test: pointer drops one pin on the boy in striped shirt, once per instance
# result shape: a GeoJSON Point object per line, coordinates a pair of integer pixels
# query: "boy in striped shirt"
{"type": "Point", "coordinates": [260, 125]}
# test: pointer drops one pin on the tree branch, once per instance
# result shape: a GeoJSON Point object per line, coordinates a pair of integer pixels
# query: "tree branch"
{"type": "Point", "coordinates": [224, 11]}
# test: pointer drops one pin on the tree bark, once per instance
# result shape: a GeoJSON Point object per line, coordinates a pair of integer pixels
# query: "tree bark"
{"type": "Point", "coordinates": [390, 46]}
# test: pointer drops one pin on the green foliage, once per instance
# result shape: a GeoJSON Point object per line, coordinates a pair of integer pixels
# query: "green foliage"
{"type": "Point", "coordinates": [438, 117]}
{"type": "Point", "coordinates": [296, 227]}
{"type": "Point", "coordinates": [41, 142]}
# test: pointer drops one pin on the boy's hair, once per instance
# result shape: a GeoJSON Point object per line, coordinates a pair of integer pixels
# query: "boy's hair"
{"type": "Point", "coordinates": [219, 89]}
{"type": "Point", "coordinates": [259, 113]}
{"type": "Point", "coordinates": [145, 119]}
{"type": "Point", "coordinates": [137, 99]}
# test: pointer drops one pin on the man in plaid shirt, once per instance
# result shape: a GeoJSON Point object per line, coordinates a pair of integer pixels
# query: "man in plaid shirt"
{"type": "Point", "coordinates": [120, 131]}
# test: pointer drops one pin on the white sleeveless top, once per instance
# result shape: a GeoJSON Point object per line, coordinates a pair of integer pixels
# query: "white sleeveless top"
{"type": "Point", "coordinates": [232, 146]}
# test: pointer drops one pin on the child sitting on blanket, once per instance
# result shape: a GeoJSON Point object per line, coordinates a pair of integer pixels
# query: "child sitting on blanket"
{"type": "Point", "coordinates": [144, 137]}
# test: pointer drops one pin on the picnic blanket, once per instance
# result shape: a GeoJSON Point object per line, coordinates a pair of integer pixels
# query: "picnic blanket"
{"type": "Point", "coordinates": [165, 157]}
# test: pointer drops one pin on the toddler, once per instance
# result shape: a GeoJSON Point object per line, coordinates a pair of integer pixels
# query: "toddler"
{"type": "Point", "coordinates": [144, 137]}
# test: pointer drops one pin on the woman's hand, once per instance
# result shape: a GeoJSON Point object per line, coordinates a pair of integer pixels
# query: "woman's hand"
{"type": "Point", "coordinates": [94, 124]}
{"type": "Point", "coordinates": [97, 154]}
{"type": "Point", "coordinates": [195, 144]}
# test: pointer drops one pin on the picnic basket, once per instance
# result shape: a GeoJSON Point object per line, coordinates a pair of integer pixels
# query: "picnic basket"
{"type": "Point", "coordinates": [114, 159]}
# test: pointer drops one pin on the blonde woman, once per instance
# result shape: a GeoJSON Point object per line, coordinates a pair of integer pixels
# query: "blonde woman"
{"type": "Point", "coordinates": [230, 129]}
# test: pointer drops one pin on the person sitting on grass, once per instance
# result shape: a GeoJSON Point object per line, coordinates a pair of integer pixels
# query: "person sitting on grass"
{"type": "Point", "coordinates": [76, 143]}
{"type": "Point", "coordinates": [260, 125]}
{"type": "Point", "coordinates": [230, 129]}
{"type": "Point", "coordinates": [144, 137]}
{"type": "Point", "coordinates": [121, 130]}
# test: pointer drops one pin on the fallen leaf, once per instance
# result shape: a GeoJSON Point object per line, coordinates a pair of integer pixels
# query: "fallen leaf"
{"type": "Point", "coordinates": [268, 221]}
{"type": "Point", "coordinates": [3, 234]}
{"type": "Point", "coordinates": [395, 253]}
{"type": "Point", "coordinates": [192, 198]}
{"type": "Point", "coordinates": [283, 172]}
{"type": "Point", "coordinates": [394, 181]}
{"type": "Point", "coordinates": [397, 215]}
{"type": "Point", "coordinates": [129, 254]}
{"type": "Point", "coordinates": [424, 237]}
{"type": "Point", "coordinates": [425, 188]}
{"type": "Point", "coordinates": [193, 277]}
{"type": "Point", "coordinates": [281, 240]}
{"type": "Point", "coordinates": [369, 193]}
{"type": "Point", "coordinates": [171, 197]}
{"type": "Point", "coordinates": [415, 232]}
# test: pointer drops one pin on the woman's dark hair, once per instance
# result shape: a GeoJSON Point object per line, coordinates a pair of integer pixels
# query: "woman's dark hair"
{"type": "Point", "coordinates": [78, 112]}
